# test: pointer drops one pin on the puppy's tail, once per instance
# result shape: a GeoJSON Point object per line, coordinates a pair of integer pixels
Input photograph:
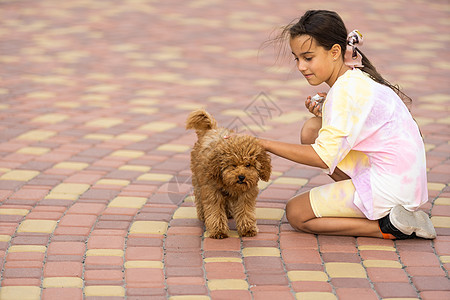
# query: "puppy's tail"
{"type": "Point", "coordinates": [201, 121]}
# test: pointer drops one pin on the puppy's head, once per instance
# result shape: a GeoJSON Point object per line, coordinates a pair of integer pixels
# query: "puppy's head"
{"type": "Point", "coordinates": [239, 162]}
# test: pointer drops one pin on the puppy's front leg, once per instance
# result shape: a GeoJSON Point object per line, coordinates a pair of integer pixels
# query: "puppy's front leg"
{"type": "Point", "coordinates": [245, 215]}
{"type": "Point", "coordinates": [216, 221]}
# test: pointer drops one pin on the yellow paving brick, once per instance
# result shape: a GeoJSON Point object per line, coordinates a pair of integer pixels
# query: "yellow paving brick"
{"type": "Point", "coordinates": [234, 112]}
{"type": "Point", "coordinates": [291, 181]}
{"type": "Point", "coordinates": [27, 248]}
{"type": "Point", "coordinates": [37, 135]}
{"type": "Point", "coordinates": [227, 284]}
{"type": "Point", "coordinates": [103, 88]}
{"type": "Point", "coordinates": [201, 82]}
{"type": "Point", "coordinates": [376, 247]}
{"type": "Point", "coordinates": [174, 148]}
{"type": "Point", "coordinates": [263, 184]}
{"type": "Point", "coordinates": [13, 211]}
{"type": "Point", "coordinates": [442, 201]}
{"type": "Point", "coordinates": [5, 238]}
{"type": "Point", "coordinates": [382, 264]}
{"type": "Point", "coordinates": [429, 147]}
{"type": "Point", "coordinates": [98, 136]}
{"type": "Point", "coordinates": [62, 282]}
{"type": "Point", "coordinates": [185, 213]}
{"type": "Point", "coordinates": [146, 264]}
{"type": "Point", "coordinates": [400, 298]}
{"type": "Point", "coordinates": [258, 128]}
{"type": "Point", "coordinates": [120, 182]}
{"type": "Point", "coordinates": [221, 99]}
{"type": "Point", "coordinates": [291, 117]}
{"type": "Point", "coordinates": [19, 175]}
{"type": "Point", "coordinates": [41, 95]}
{"type": "Point", "coordinates": [155, 177]}
{"type": "Point", "coordinates": [104, 252]}
{"type": "Point", "coordinates": [149, 227]}
{"type": "Point", "coordinates": [43, 226]}
{"type": "Point", "coordinates": [222, 259]}
{"type": "Point", "coordinates": [150, 92]}
{"type": "Point", "coordinates": [260, 251]}
{"type": "Point", "coordinates": [33, 150]}
{"type": "Point", "coordinates": [94, 97]}
{"type": "Point", "coordinates": [67, 104]}
{"type": "Point", "coordinates": [60, 196]}
{"type": "Point", "coordinates": [440, 222]}
{"type": "Point", "coordinates": [129, 202]}
{"type": "Point", "coordinates": [50, 118]}
{"type": "Point", "coordinates": [104, 290]}
{"type": "Point", "coordinates": [104, 122]}
{"type": "Point", "coordinates": [4, 170]}
{"type": "Point", "coordinates": [445, 259]}
{"type": "Point", "coordinates": [71, 165]}
{"type": "Point", "coordinates": [189, 106]}
{"type": "Point", "coordinates": [269, 213]}
{"type": "Point", "coordinates": [20, 293]}
{"type": "Point", "coordinates": [158, 126]}
{"type": "Point", "coordinates": [71, 188]}
{"type": "Point", "coordinates": [132, 137]}
{"type": "Point", "coordinates": [189, 199]}
{"type": "Point", "coordinates": [315, 296]}
{"type": "Point", "coordinates": [128, 153]}
{"type": "Point", "coordinates": [435, 186]}
{"type": "Point", "coordinates": [190, 297]}
{"type": "Point", "coordinates": [307, 276]}
{"type": "Point", "coordinates": [135, 168]}
{"type": "Point", "coordinates": [345, 270]}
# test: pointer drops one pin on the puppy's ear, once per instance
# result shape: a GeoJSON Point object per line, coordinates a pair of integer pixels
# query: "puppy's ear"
{"type": "Point", "coordinates": [265, 167]}
{"type": "Point", "coordinates": [215, 164]}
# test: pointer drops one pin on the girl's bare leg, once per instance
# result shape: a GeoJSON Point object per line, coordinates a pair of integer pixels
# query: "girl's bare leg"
{"type": "Point", "coordinates": [301, 216]}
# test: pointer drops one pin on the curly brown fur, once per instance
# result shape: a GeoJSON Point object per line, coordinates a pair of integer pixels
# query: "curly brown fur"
{"type": "Point", "coordinates": [225, 174]}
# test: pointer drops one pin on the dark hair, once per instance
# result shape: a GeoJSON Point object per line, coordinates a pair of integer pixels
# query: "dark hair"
{"type": "Point", "coordinates": [327, 29]}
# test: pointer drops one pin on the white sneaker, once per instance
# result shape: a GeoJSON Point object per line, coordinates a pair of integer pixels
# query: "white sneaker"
{"type": "Point", "coordinates": [409, 222]}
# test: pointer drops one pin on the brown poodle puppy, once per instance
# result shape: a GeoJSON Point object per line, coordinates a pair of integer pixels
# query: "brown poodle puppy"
{"type": "Point", "coordinates": [225, 174]}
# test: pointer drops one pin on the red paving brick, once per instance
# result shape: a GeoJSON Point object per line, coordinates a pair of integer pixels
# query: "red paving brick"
{"type": "Point", "coordinates": [91, 101]}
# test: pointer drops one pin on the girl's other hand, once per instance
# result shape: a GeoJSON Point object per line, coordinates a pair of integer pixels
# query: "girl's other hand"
{"type": "Point", "coordinates": [313, 107]}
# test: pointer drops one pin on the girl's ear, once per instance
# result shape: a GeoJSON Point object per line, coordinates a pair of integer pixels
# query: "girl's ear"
{"type": "Point", "coordinates": [335, 51]}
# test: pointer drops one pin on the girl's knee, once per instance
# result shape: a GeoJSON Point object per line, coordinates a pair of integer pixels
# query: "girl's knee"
{"type": "Point", "coordinates": [310, 131]}
{"type": "Point", "coordinates": [299, 212]}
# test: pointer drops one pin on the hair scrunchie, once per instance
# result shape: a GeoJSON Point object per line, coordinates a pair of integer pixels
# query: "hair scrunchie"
{"type": "Point", "coordinates": [352, 58]}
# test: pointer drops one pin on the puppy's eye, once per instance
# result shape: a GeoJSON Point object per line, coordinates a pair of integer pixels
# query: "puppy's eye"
{"type": "Point", "coordinates": [248, 165]}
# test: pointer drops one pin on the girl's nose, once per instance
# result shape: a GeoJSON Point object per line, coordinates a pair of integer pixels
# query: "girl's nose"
{"type": "Point", "coordinates": [301, 66]}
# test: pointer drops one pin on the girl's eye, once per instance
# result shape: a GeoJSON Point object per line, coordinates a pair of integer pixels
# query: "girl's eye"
{"type": "Point", "coordinates": [308, 58]}
{"type": "Point", "coordinates": [296, 58]}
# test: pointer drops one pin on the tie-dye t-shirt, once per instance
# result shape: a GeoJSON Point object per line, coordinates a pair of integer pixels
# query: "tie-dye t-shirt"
{"type": "Point", "coordinates": [363, 115]}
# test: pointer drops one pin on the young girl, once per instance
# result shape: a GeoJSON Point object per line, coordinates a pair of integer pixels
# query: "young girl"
{"type": "Point", "coordinates": [363, 136]}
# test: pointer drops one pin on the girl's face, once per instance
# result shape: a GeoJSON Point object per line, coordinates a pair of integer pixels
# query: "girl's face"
{"type": "Point", "coordinates": [317, 64]}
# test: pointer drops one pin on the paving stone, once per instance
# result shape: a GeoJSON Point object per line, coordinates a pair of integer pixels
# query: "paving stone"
{"type": "Point", "coordinates": [94, 157]}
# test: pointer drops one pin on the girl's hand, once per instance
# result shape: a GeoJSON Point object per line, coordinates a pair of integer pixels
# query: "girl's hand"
{"type": "Point", "coordinates": [313, 107]}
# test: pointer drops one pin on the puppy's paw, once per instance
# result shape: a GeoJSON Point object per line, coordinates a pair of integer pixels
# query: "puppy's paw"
{"type": "Point", "coordinates": [218, 235]}
{"type": "Point", "coordinates": [249, 232]}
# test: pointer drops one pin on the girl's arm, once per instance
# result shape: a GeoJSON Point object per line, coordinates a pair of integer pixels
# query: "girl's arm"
{"type": "Point", "coordinates": [303, 154]}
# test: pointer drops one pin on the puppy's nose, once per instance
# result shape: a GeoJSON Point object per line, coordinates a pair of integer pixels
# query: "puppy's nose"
{"type": "Point", "coordinates": [241, 177]}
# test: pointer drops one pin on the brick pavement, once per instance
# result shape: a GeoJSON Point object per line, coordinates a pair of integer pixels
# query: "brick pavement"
{"type": "Point", "coordinates": [94, 159]}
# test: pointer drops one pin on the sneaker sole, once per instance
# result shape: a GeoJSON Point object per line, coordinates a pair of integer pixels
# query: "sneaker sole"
{"type": "Point", "coordinates": [409, 222]}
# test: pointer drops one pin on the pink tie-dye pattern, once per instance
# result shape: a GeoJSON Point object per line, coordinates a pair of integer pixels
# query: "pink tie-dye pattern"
{"type": "Point", "coordinates": [360, 114]}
